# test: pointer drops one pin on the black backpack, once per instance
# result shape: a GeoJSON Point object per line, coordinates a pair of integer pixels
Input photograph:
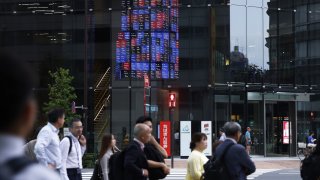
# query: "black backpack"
{"type": "Point", "coordinates": [215, 168]}
{"type": "Point", "coordinates": [309, 169]}
{"type": "Point", "coordinates": [14, 166]}
{"type": "Point", "coordinates": [97, 171]}
{"type": "Point", "coordinates": [153, 154]}
{"type": "Point", "coordinates": [70, 141]}
{"type": "Point", "coordinates": [116, 165]}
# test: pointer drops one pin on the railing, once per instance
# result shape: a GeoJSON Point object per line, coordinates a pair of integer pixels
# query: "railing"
{"type": "Point", "coordinates": [101, 79]}
{"type": "Point", "coordinates": [102, 107]}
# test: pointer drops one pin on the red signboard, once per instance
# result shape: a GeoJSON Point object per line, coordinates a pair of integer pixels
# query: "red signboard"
{"type": "Point", "coordinates": [285, 134]}
{"type": "Point", "coordinates": [165, 135]}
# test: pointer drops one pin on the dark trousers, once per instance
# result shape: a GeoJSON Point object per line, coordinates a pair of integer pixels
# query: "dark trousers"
{"type": "Point", "coordinates": [74, 174]}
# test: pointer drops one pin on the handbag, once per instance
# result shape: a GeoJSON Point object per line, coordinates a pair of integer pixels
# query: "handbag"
{"type": "Point", "coordinates": [97, 172]}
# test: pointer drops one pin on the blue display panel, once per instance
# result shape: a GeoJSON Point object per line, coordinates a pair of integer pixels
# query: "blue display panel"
{"type": "Point", "coordinates": [149, 41]}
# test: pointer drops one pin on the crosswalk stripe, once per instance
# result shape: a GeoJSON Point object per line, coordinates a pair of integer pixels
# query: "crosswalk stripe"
{"type": "Point", "coordinates": [180, 174]}
{"type": "Point", "coordinates": [260, 172]}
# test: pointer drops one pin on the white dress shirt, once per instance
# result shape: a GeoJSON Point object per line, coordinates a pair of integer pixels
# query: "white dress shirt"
{"type": "Point", "coordinates": [47, 147]}
{"type": "Point", "coordinates": [104, 162]}
{"type": "Point", "coordinates": [11, 147]}
{"type": "Point", "coordinates": [72, 160]}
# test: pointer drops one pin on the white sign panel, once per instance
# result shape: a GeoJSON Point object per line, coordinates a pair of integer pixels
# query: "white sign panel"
{"type": "Point", "coordinates": [206, 128]}
{"type": "Point", "coordinates": [185, 138]}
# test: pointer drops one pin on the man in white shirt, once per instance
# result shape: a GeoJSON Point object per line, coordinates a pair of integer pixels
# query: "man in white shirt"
{"type": "Point", "coordinates": [72, 154]}
{"type": "Point", "coordinates": [18, 113]}
{"type": "Point", "coordinates": [47, 148]}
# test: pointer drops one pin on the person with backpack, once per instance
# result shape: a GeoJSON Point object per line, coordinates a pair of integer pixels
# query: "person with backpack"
{"type": "Point", "coordinates": [155, 154]}
{"type": "Point", "coordinates": [18, 113]}
{"type": "Point", "coordinates": [197, 158]}
{"type": "Point", "coordinates": [72, 149]}
{"type": "Point", "coordinates": [234, 156]}
{"type": "Point", "coordinates": [310, 165]}
{"type": "Point", "coordinates": [108, 148]}
{"type": "Point", "coordinates": [135, 161]}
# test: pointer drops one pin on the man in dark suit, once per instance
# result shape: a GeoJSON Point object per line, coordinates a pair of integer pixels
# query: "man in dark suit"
{"type": "Point", "coordinates": [236, 159]}
{"type": "Point", "coordinates": [135, 161]}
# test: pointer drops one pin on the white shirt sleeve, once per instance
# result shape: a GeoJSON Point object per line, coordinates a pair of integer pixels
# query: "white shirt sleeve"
{"type": "Point", "coordinates": [104, 162]}
{"type": "Point", "coordinates": [64, 147]}
{"type": "Point", "coordinates": [83, 149]}
{"type": "Point", "coordinates": [43, 141]}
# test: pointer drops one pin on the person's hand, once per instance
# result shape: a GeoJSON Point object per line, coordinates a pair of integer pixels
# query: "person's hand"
{"type": "Point", "coordinates": [165, 169]}
{"type": "Point", "coordinates": [82, 140]}
{"type": "Point", "coordinates": [145, 173]}
{"type": "Point", "coordinates": [153, 140]}
{"type": "Point", "coordinates": [51, 166]}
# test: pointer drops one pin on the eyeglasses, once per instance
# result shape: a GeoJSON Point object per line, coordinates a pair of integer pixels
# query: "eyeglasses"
{"type": "Point", "coordinates": [78, 127]}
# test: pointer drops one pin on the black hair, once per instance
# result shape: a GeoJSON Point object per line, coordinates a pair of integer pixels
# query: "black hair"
{"type": "Point", "coordinates": [231, 128]}
{"type": "Point", "coordinates": [73, 121]}
{"type": "Point", "coordinates": [143, 119]}
{"type": "Point", "coordinates": [55, 114]}
{"type": "Point", "coordinates": [197, 137]}
{"type": "Point", "coordinates": [310, 133]}
{"type": "Point", "coordinates": [18, 82]}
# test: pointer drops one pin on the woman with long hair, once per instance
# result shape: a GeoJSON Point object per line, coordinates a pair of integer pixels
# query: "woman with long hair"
{"type": "Point", "coordinates": [108, 147]}
{"type": "Point", "coordinates": [197, 158]}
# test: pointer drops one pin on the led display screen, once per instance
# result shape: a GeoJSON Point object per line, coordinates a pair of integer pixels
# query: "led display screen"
{"type": "Point", "coordinates": [149, 41]}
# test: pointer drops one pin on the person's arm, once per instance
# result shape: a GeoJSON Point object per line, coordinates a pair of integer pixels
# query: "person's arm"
{"type": "Point", "coordinates": [64, 148]}
{"type": "Point", "coordinates": [155, 164]}
{"type": "Point", "coordinates": [130, 159]}
{"type": "Point", "coordinates": [83, 144]}
{"type": "Point", "coordinates": [159, 148]}
{"type": "Point", "coordinates": [43, 141]}
{"type": "Point", "coordinates": [246, 162]}
{"type": "Point", "coordinates": [104, 162]}
{"type": "Point", "coordinates": [195, 168]}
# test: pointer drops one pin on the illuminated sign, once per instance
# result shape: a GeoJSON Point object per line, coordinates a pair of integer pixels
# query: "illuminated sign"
{"type": "Point", "coordinates": [285, 134]}
{"type": "Point", "coordinates": [165, 136]}
{"type": "Point", "coordinates": [149, 40]}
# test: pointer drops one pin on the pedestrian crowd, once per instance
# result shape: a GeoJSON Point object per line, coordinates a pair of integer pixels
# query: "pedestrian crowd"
{"type": "Point", "coordinates": [46, 157]}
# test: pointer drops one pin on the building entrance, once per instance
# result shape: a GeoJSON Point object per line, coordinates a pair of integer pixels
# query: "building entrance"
{"type": "Point", "coordinates": [280, 120]}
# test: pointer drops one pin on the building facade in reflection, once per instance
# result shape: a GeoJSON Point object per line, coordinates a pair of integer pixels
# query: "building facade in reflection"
{"type": "Point", "coordinates": [250, 61]}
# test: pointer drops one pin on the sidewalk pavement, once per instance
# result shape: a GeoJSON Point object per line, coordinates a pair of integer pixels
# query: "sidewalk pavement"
{"type": "Point", "coordinates": [260, 162]}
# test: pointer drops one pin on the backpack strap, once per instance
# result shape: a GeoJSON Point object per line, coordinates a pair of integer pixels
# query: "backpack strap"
{"type": "Point", "coordinates": [225, 151]}
{"type": "Point", "coordinates": [18, 164]}
{"type": "Point", "coordinates": [70, 147]}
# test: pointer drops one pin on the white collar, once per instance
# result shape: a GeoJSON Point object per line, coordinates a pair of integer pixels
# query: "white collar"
{"type": "Point", "coordinates": [140, 143]}
{"type": "Point", "coordinates": [54, 129]}
{"type": "Point", "coordinates": [10, 146]}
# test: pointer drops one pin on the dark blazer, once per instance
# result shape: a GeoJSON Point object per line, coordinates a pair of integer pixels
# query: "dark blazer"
{"type": "Point", "coordinates": [134, 161]}
{"type": "Point", "coordinates": [237, 160]}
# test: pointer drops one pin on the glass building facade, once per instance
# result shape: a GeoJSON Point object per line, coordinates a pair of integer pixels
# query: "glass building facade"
{"type": "Point", "coordinates": [250, 61]}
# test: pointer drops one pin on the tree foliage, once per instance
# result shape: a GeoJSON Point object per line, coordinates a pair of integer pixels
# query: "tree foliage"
{"type": "Point", "coordinates": [61, 93]}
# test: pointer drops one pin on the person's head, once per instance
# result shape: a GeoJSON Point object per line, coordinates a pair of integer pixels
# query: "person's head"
{"type": "Point", "coordinates": [248, 129]}
{"type": "Point", "coordinates": [56, 117]}
{"type": "Point", "coordinates": [18, 105]}
{"type": "Point", "coordinates": [142, 132]}
{"type": "Point", "coordinates": [198, 141]}
{"type": "Point", "coordinates": [108, 142]}
{"type": "Point", "coordinates": [145, 120]}
{"type": "Point", "coordinates": [75, 127]}
{"type": "Point", "coordinates": [232, 130]}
